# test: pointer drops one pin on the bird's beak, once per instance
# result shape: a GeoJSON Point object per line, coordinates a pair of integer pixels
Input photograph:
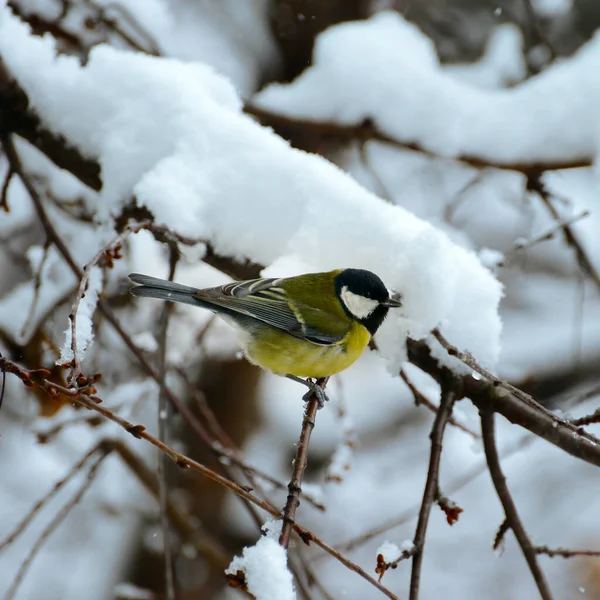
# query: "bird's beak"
{"type": "Point", "coordinates": [393, 302]}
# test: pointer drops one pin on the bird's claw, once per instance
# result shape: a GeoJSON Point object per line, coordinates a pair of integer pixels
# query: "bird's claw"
{"type": "Point", "coordinates": [315, 390]}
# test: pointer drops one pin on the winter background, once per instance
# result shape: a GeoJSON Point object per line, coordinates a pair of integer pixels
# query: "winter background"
{"type": "Point", "coordinates": [403, 137]}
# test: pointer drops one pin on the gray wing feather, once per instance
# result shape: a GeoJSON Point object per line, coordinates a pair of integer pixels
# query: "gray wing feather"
{"type": "Point", "coordinates": [265, 300]}
{"type": "Point", "coordinates": [260, 299]}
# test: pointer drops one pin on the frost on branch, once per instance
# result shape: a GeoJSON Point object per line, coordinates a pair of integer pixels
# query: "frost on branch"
{"type": "Point", "coordinates": [85, 313]}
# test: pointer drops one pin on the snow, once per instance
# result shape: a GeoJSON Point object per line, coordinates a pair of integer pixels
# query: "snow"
{"type": "Point", "coordinates": [389, 551]}
{"type": "Point", "coordinates": [179, 129]}
{"type": "Point", "coordinates": [171, 131]}
{"type": "Point", "coordinates": [83, 331]}
{"type": "Point", "coordinates": [353, 61]}
{"type": "Point", "coordinates": [502, 62]}
{"type": "Point", "coordinates": [265, 568]}
{"type": "Point", "coordinates": [552, 8]}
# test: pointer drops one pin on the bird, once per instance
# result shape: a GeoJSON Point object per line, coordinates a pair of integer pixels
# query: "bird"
{"type": "Point", "coordinates": [305, 328]}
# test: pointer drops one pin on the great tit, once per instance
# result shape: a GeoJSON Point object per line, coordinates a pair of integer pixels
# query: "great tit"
{"type": "Point", "coordinates": [311, 326]}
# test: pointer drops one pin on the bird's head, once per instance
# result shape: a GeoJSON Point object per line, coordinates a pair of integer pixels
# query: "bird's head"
{"type": "Point", "coordinates": [364, 297]}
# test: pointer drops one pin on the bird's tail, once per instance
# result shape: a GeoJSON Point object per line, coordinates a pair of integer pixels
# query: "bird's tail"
{"type": "Point", "coordinates": [153, 287]}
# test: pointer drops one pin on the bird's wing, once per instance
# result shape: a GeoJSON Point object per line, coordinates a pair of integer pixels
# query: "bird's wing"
{"type": "Point", "coordinates": [266, 301]}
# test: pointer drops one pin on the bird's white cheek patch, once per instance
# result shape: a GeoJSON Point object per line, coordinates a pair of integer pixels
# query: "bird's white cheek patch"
{"type": "Point", "coordinates": [358, 305]}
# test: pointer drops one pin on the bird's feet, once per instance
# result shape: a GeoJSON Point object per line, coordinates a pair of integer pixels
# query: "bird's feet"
{"type": "Point", "coordinates": [313, 390]}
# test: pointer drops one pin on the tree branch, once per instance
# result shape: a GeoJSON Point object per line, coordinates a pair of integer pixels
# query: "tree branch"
{"type": "Point", "coordinates": [300, 462]}
{"type": "Point", "coordinates": [442, 418]}
{"type": "Point", "coordinates": [503, 398]}
{"type": "Point", "coordinates": [510, 510]}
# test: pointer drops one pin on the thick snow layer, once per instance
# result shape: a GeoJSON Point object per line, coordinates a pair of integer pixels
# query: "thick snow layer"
{"type": "Point", "coordinates": [350, 81]}
{"type": "Point", "coordinates": [174, 135]}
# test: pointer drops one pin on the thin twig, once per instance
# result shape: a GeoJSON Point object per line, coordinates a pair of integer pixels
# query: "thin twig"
{"type": "Point", "coordinates": [37, 284]}
{"type": "Point", "coordinates": [589, 419]}
{"type": "Point", "coordinates": [382, 566]}
{"type": "Point", "coordinates": [535, 184]}
{"type": "Point", "coordinates": [578, 434]}
{"type": "Point", "coordinates": [422, 400]}
{"type": "Point", "coordinates": [56, 521]}
{"type": "Point", "coordinates": [546, 236]}
{"type": "Point", "coordinates": [510, 510]}
{"type": "Point", "coordinates": [206, 545]}
{"type": "Point", "coordinates": [157, 230]}
{"type": "Point", "coordinates": [225, 448]}
{"type": "Point", "coordinates": [309, 537]}
{"type": "Point", "coordinates": [38, 377]}
{"type": "Point", "coordinates": [537, 31]}
{"type": "Point", "coordinates": [413, 512]}
{"type": "Point", "coordinates": [4, 193]}
{"type": "Point", "coordinates": [163, 420]}
{"type": "Point", "coordinates": [3, 388]}
{"type": "Point", "coordinates": [35, 509]}
{"type": "Point", "coordinates": [368, 131]}
{"type": "Point", "coordinates": [294, 486]}
{"type": "Point", "coordinates": [447, 400]}
{"type": "Point", "coordinates": [564, 552]}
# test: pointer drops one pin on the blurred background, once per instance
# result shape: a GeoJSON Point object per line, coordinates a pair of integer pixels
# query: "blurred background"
{"type": "Point", "coordinates": [368, 458]}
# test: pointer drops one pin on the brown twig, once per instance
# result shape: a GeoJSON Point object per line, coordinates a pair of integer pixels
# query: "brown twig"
{"type": "Point", "coordinates": [564, 552]}
{"type": "Point", "coordinates": [422, 400]}
{"type": "Point", "coordinates": [113, 23]}
{"type": "Point", "coordinates": [206, 545]}
{"type": "Point", "coordinates": [294, 486]}
{"type": "Point", "coordinates": [368, 131]}
{"type": "Point", "coordinates": [35, 509]}
{"type": "Point", "coordinates": [588, 419]}
{"type": "Point", "coordinates": [309, 537]}
{"type": "Point", "coordinates": [546, 236]}
{"type": "Point", "coordinates": [535, 184]}
{"type": "Point", "coordinates": [383, 566]}
{"type": "Point", "coordinates": [37, 284]}
{"type": "Point", "coordinates": [515, 404]}
{"type": "Point", "coordinates": [56, 521]}
{"type": "Point", "coordinates": [537, 32]}
{"type": "Point", "coordinates": [448, 397]}
{"type": "Point", "coordinates": [448, 507]}
{"type": "Point", "coordinates": [499, 537]}
{"type": "Point", "coordinates": [38, 377]}
{"type": "Point", "coordinates": [224, 446]}
{"type": "Point", "coordinates": [510, 510]}
{"type": "Point", "coordinates": [17, 117]}
{"type": "Point", "coordinates": [163, 420]}
{"type": "Point", "coordinates": [413, 512]}
{"type": "Point", "coordinates": [4, 193]}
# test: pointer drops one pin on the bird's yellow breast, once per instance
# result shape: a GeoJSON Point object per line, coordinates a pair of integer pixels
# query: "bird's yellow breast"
{"type": "Point", "coordinates": [285, 354]}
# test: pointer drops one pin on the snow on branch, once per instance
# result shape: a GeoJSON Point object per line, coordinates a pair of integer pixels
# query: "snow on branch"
{"type": "Point", "coordinates": [349, 83]}
{"type": "Point", "coordinates": [174, 134]}
{"type": "Point", "coordinates": [262, 570]}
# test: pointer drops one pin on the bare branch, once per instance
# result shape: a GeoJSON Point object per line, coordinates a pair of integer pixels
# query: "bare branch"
{"type": "Point", "coordinates": [422, 400]}
{"type": "Point", "coordinates": [535, 184]}
{"type": "Point", "coordinates": [510, 510]}
{"type": "Point", "coordinates": [368, 131]}
{"type": "Point", "coordinates": [509, 401]}
{"type": "Point", "coordinates": [294, 486]}
{"type": "Point", "coordinates": [448, 397]}
{"type": "Point", "coordinates": [58, 519]}
{"type": "Point", "coordinates": [37, 377]}
{"type": "Point", "coordinates": [163, 420]}
{"type": "Point", "coordinates": [17, 117]}
{"type": "Point", "coordinates": [4, 193]}
{"type": "Point", "coordinates": [76, 468]}
{"type": "Point", "coordinates": [564, 552]}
